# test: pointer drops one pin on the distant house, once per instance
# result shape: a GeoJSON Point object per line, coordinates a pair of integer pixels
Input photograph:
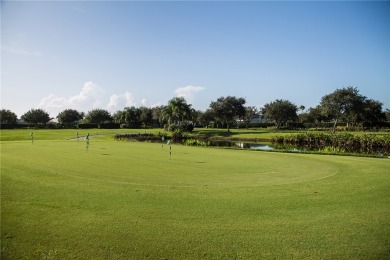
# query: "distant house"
{"type": "Point", "coordinates": [258, 119]}
{"type": "Point", "coordinates": [53, 121]}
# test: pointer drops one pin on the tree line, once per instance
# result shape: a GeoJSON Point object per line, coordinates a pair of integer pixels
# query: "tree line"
{"type": "Point", "coordinates": [344, 105]}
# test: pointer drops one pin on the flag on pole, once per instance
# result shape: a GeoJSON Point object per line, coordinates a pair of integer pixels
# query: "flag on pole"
{"type": "Point", "coordinates": [170, 148]}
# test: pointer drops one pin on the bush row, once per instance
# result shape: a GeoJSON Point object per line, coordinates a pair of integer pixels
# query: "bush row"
{"type": "Point", "coordinates": [195, 142]}
{"type": "Point", "coordinates": [107, 125]}
{"type": "Point", "coordinates": [137, 136]}
{"type": "Point", "coordinates": [367, 143]}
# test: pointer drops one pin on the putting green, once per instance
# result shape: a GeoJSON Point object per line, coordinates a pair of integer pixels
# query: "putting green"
{"type": "Point", "coordinates": [113, 200]}
{"type": "Point", "coordinates": [146, 164]}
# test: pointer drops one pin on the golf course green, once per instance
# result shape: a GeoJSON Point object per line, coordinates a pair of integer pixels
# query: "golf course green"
{"type": "Point", "coordinates": [65, 198]}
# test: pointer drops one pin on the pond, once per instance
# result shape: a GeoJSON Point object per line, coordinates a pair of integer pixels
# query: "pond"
{"type": "Point", "coordinates": [291, 148]}
{"type": "Point", "coordinates": [256, 146]}
{"type": "Point", "coordinates": [213, 143]}
{"type": "Point", "coordinates": [243, 145]}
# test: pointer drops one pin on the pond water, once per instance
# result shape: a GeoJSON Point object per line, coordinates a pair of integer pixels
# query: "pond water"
{"type": "Point", "coordinates": [255, 146]}
{"type": "Point", "coordinates": [244, 145]}
{"type": "Point", "coordinates": [271, 147]}
{"type": "Point", "coordinates": [292, 148]}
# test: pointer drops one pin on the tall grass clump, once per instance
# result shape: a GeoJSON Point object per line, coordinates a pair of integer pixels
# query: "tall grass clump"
{"type": "Point", "coordinates": [344, 142]}
{"type": "Point", "coordinates": [137, 136]}
{"type": "Point", "coordinates": [195, 142]}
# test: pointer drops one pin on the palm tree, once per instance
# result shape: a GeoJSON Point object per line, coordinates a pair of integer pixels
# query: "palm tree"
{"type": "Point", "coordinates": [176, 111]}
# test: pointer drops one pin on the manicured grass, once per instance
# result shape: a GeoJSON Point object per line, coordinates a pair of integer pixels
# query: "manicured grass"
{"type": "Point", "coordinates": [260, 134]}
{"type": "Point", "coordinates": [66, 134]}
{"type": "Point", "coordinates": [127, 200]}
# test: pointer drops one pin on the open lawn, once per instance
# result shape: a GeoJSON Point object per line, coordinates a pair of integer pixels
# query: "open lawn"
{"type": "Point", "coordinates": [62, 199]}
{"type": "Point", "coordinates": [262, 134]}
{"type": "Point", "coordinates": [66, 134]}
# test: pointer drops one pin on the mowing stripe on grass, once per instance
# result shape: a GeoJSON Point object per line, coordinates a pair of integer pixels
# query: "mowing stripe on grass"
{"type": "Point", "coordinates": [60, 201]}
{"type": "Point", "coordinates": [146, 164]}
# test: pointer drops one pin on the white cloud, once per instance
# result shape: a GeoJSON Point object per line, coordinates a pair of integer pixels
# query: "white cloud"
{"type": "Point", "coordinates": [52, 101]}
{"type": "Point", "coordinates": [89, 97]}
{"type": "Point", "coordinates": [188, 92]}
{"type": "Point", "coordinates": [53, 105]}
{"type": "Point", "coordinates": [118, 102]}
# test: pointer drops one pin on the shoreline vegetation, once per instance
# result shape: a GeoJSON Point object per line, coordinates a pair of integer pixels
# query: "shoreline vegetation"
{"type": "Point", "coordinates": [372, 144]}
{"type": "Point", "coordinates": [367, 144]}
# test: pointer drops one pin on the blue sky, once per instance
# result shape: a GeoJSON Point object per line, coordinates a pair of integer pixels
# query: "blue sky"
{"type": "Point", "coordinates": [89, 54]}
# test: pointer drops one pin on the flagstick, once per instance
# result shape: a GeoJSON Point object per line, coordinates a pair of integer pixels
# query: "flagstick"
{"type": "Point", "coordinates": [87, 145]}
{"type": "Point", "coordinates": [170, 148]}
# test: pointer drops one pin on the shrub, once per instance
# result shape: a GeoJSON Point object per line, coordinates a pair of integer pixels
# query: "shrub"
{"type": "Point", "coordinates": [87, 126]}
{"type": "Point", "coordinates": [195, 142]}
{"type": "Point", "coordinates": [344, 142]}
{"type": "Point", "coordinates": [109, 125]}
{"type": "Point", "coordinates": [178, 134]}
{"type": "Point", "coordinates": [184, 127]}
{"type": "Point", "coordinates": [7, 126]}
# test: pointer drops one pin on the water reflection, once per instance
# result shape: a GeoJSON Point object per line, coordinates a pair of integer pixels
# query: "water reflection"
{"type": "Point", "coordinates": [254, 146]}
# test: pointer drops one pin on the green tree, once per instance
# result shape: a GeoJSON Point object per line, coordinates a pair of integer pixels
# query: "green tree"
{"type": "Point", "coordinates": [69, 116]}
{"type": "Point", "coordinates": [315, 115]}
{"type": "Point", "coordinates": [342, 103]}
{"type": "Point", "coordinates": [372, 112]}
{"type": "Point", "coordinates": [196, 116]}
{"type": "Point", "coordinates": [228, 109]}
{"type": "Point", "coordinates": [157, 117]}
{"type": "Point", "coordinates": [36, 117]}
{"type": "Point", "coordinates": [250, 113]}
{"type": "Point", "coordinates": [119, 116]}
{"type": "Point", "coordinates": [8, 117]}
{"type": "Point", "coordinates": [176, 111]}
{"type": "Point", "coordinates": [98, 116]}
{"type": "Point", "coordinates": [387, 114]}
{"type": "Point", "coordinates": [145, 116]}
{"type": "Point", "coordinates": [280, 111]}
{"type": "Point", "coordinates": [207, 117]}
{"type": "Point", "coordinates": [130, 116]}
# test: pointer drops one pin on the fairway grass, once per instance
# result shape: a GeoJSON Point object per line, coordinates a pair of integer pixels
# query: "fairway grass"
{"type": "Point", "coordinates": [62, 199]}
